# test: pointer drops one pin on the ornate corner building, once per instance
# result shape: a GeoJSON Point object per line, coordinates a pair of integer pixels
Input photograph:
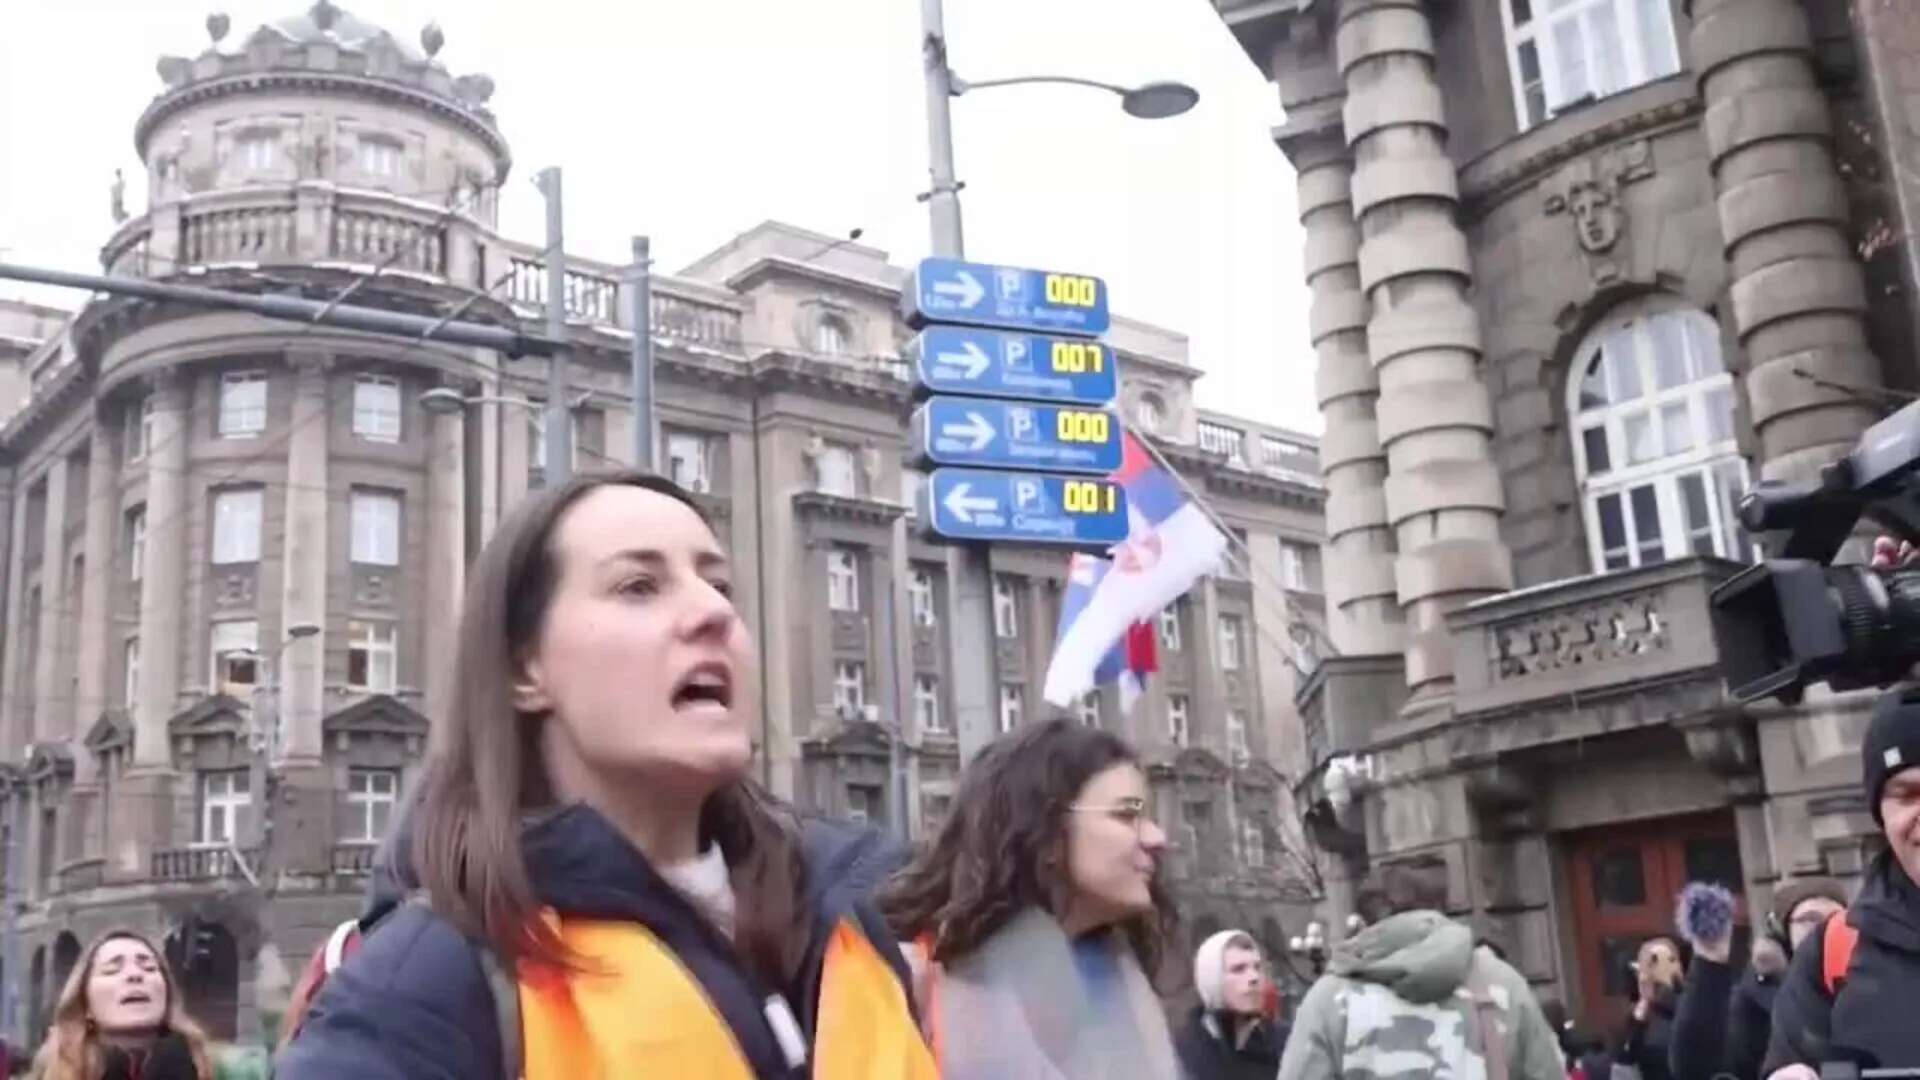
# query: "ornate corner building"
{"type": "Point", "coordinates": [231, 540]}
{"type": "Point", "coordinates": [1582, 271]}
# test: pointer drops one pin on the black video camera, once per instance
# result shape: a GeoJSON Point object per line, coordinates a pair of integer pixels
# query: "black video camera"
{"type": "Point", "coordinates": [1789, 622]}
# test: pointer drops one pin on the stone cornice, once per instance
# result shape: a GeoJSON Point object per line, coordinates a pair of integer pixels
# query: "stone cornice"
{"type": "Point", "coordinates": [71, 388]}
{"type": "Point", "coordinates": [1215, 476]}
{"type": "Point", "coordinates": [1495, 175]}
{"type": "Point", "coordinates": [843, 508]}
{"type": "Point", "coordinates": [775, 371]}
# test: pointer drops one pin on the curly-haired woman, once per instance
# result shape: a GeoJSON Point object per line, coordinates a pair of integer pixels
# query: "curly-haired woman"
{"type": "Point", "coordinates": [120, 1017]}
{"type": "Point", "coordinates": [1036, 917]}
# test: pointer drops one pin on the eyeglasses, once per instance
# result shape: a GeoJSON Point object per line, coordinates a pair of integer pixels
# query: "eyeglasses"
{"type": "Point", "coordinates": [1129, 812]}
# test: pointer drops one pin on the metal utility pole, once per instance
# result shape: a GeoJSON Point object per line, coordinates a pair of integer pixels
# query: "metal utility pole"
{"type": "Point", "coordinates": [641, 358]}
{"type": "Point", "coordinates": [559, 418]}
{"type": "Point", "coordinates": [9, 998]}
{"type": "Point", "coordinates": [976, 676]}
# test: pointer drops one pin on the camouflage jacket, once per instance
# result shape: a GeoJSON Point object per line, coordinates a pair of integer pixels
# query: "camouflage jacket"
{"type": "Point", "coordinates": [1395, 1002]}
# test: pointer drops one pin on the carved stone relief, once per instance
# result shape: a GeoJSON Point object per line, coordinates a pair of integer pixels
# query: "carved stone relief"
{"type": "Point", "coordinates": [1589, 191]}
{"type": "Point", "coordinates": [1617, 628]}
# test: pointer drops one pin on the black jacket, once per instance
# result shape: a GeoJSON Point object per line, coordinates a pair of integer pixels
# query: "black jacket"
{"type": "Point", "coordinates": [413, 1004]}
{"type": "Point", "coordinates": [1648, 1042]}
{"type": "Point", "coordinates": [1874, 1012]}
{"type": "Point", "coordinates": [1722, 1023]}
{"type": "Point", "coordinates": [1207, 1056]}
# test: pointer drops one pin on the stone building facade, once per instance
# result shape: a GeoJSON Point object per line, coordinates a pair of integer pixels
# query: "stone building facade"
{"type": "Point", "coordinates": [1582, 272]}
{"type": "Point", "coordinates": [222, 528]}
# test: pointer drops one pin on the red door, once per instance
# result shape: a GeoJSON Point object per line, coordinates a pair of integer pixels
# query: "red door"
{"type": "Point", "coordinates": [1624, 881]}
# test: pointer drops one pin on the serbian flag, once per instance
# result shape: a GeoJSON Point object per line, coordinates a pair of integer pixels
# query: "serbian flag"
{"type": "Point", "coordinates": [1170, 546]}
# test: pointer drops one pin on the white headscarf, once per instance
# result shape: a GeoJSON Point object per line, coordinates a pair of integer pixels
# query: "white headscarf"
{"type": "Point", "coordinates": [1209, 966]}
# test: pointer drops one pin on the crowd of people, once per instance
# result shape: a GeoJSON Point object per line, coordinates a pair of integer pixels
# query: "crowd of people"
{"type": "Point", "coordinates": [589, 883]}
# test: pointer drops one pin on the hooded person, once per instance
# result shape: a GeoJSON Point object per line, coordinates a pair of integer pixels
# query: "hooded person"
{"type": "Point", "coordinates": [1228, 1036]}
{"type": "Point", "coordinates": [1412, 995]}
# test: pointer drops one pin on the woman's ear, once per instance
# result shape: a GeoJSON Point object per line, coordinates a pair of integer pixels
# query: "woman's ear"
{"type": "Point", "coordinates": [530, 689]}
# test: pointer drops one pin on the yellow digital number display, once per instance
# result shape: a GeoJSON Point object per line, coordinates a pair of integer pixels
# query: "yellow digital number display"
{"type": "Point", "coordinates": [1074, 426]}
{"type": "Point", "coordinates": [1089, 497]}
{"type": "Point", "coordinates": [1071, 290]}
{"type": "Point", "coordinates": [1078, 358]}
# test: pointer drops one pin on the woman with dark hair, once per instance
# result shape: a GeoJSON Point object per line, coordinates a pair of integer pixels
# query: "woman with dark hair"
{"type": "Point", "coordinates": [120, 1017]}
{"type": "Point", "coordinates": [603, 892]}
{"type": "Point", "coordinates": [1035, 919]}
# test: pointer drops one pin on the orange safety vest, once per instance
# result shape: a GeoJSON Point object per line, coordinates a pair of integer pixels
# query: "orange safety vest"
{"type": "Point", "coordinates": [648, 1013]}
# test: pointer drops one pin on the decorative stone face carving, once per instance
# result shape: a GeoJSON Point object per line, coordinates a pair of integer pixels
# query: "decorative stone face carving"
{"type": "Point", "coordinates": [870, 464]}
{"type": "Point", "coordinates": [1589, 192]}
{"type": "Point", "coordinates": [1617, 628]}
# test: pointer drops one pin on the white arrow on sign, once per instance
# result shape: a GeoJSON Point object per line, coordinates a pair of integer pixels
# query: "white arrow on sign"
{"type": "Point", "coordinates": [977, 429]}
{"type": "Point", "coordinates": [962, 503]}
{"type": "Point", "coordinates": [972, 359]}
{"type": "Point", "coordinates": [967, 290]}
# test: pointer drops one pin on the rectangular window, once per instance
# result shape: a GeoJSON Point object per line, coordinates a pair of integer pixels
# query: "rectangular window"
{"type": "Point", "coordinates": [1646, 525]}
{"type": "Point", "coordinates": [1730, 486]}
{"type": "Point", "coordinates": [136, 543]}
{"type": "Point", "coordinates": [849, 686]}
{"type": "Point", "coordinates": [1237, 746]}
{"type": "Point", "coordinates": [843, 581]}
{"type": "Point", "coordinates": [1696, 515]}
{"type": "Point", "coordinates": [1571, 51]}
{"type": "Point", "coordinates": [372, 656]}
{"type": "Point", "coordinates": [371, 795]}
{"type": "Point", "coordinates": [379, 157]}
{"type": "Point", "coordinates": [243, 404]}
{"type": "Point", "coordinates": [865, 803]}
{"type": "Point", "coordinates": [1719, 403]}
{"type": "Point", "coordinates": [1595, 441]}
{"type": "Point", "coordinates": [688, 461]}
{"type": "Point", "coordinates": [258, 150]}
{"type": "Point", "coordinates": [1253, 843]}
{"type": "Point", "coordinates": [1170, 627]}
{"type": "Point", "coordinates": [1087, 709]}
{"type": "Point", "coordinates": [132, 690]}
{"type": "Point", "coordinates": [1011, 706]}
{"type": "Point", "coordinates": [1232, 642]}
{"type": "Point", "coordinates": [376, 408]}
{"type": "Point", "coordinates": [225, 808]}
{"type": "Point", "coordinates": [140, 429]}
{"type": "Point", "coordinates": [920, 599]}
{"type": "Point", "coordinates": [837, 475]}
{"type": "Point", "coordinates": [376, 528]}
{"type": "Point", "coordinates": [1179, 719]}
{"type": "Point", "coordinates": [236, 526]}
{"type": "Point", "coordinates": [1006, 610]}
{"type": "Point", "coordinates": [236, 658]}
{"type": "Point", "coordinates": [1300, 566]}
{"type": "Point", "coordinates": [926, 704]}
{"type": "Point", "coordinates": [537, 435]}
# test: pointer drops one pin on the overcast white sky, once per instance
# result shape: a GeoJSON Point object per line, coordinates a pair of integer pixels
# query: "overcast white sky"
{"type": "Point", "coordinates": [693, 120]}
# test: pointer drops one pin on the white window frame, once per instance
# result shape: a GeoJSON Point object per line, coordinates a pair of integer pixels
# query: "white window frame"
{"type": "Point", "coordinates": [140, 429]}
{"type": "Point", "coordinates": [1239, 750]}
{"type": "Point", "coordinates": [537, 435]}
{"type": "Point", "coordinates": [920, 599]}
{"type": "Point", "coordinates": [1633, 341]}
{"type": "Point", "coordinates": [1180, 719]}
{"type": "Point", "coordinates": [1644, 56]}
{"type": "Point", "coordinates": [849, 686]}
{"type": "Point", "coordinates": [689, 461]}
{"type": "Point", "coordinates": [374, 419]}
{"type": "Point", "coordinates": [237, 525]}
{"type": "Point", "coordinates": [379, 640]}
{"type": "Point", "coordinates": [1006, 610]}
{"type": "Point", "coordinates": [1013, 707]}
{"type": "Point", "coordinates": [257, 150]}
{"type": "Point", "coordinates": [1233, 642]}
{"type": "Point", "coordinates": [843, 580]}
{"type": "Point", "coordinates": [839, 471]}
{"type": "Point", "coordinates": [1293, 566]}
{"type": "Point", "coordinates": [1253, 843]}
{"type": "Point", "coordinates": [243, 404]}
{"type": "Point", "coordinates": [226, 809]}
{"type": "Point", "coordinates": [374, 517]}
{"type": "Point", "coordinates": [379, 157]}
{"type": "Point", "coordinates": [367, 791]}
{"type": "Point", "coordinates": [130, 661]}
{"type": "Point", "coordinates": [832, 336]}
{"type": "Point", "coordinates": [137, 543]}
{"type": "Point", "coordinates": [239, 639]}
{"type": "Point", "coordinates": [927, 715]}
{"type": "Point", "coordinates": [1169, 628]}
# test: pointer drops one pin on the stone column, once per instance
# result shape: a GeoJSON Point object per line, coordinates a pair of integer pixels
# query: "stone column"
{"type": "Point", "coordinates": [445, 519]}
{"type": "Point", "coordinates": [1363, 611]}
{"type": "Point", "coordinates": [1798, 296]}
{"type": "Point", "coordinates": [163, 577]}
{"type": "Point", "coordinates": [301, 667]}
{"type": "Point", "coordinates": [1443, 494]}
{"type": "Point", "coordinates": [50, 695]}
{"type": "Point", "coordinates": [96, 593]}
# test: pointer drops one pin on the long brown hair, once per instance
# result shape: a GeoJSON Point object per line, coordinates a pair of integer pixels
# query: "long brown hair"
{"type": "Point", "coordinates": [486, 770]}
{"type": "Point", "coordinates": [1001, 851]}
{"type": "Point", "coordinates": [72, 1049]}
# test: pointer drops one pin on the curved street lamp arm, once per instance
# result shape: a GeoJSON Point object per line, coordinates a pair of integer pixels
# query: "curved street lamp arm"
{"type": "Point", "coordinates": [961, 86]}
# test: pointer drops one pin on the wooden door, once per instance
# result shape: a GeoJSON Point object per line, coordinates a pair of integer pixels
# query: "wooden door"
{"type": "Point", "coordinates": [1624, 882]}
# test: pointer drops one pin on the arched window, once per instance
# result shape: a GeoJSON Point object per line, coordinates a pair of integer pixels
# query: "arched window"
{"type": "Point", "coordinates": [1653, 441]}
{"type": "Point", "coordinates": [830, 335]}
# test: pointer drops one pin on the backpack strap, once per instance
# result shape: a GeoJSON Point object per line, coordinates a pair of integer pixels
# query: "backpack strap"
{"type": "Point", "coordinates": [1482, 1014]}
{"type": "Point", "coordinates": [1837, 940]}
{"type": "Point", "coordinates": [506, 1009]}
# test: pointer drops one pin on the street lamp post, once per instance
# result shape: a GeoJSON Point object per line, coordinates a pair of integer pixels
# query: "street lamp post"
{"type": "Point", "coordinates": [970, 566]}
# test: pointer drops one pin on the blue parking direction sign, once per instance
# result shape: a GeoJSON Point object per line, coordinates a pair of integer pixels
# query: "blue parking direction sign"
{"type": "Point", "coordinates": [992, 363]}
{"type": "Point", "coordinates": [979, 294]}
{"type": "Point", "coordinates": [1027, 508]}
{"type": "Point", "coordinates": [991, 434]}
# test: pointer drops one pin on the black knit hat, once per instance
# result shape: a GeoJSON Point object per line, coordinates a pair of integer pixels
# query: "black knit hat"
{"type": "Point", "coordinates": [1892, 743]}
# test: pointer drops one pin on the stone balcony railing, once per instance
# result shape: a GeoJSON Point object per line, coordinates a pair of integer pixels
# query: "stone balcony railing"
{"type": "Point", "coordinates": [196, 863]}
{"type": "Point", "coordinates": [352, 859]}
{"type": "Point", "coordinates": [316, 223]}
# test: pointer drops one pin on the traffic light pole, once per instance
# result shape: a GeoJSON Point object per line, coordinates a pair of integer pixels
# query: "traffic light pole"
{"type": "Point", "coordinates": [976, 676]}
